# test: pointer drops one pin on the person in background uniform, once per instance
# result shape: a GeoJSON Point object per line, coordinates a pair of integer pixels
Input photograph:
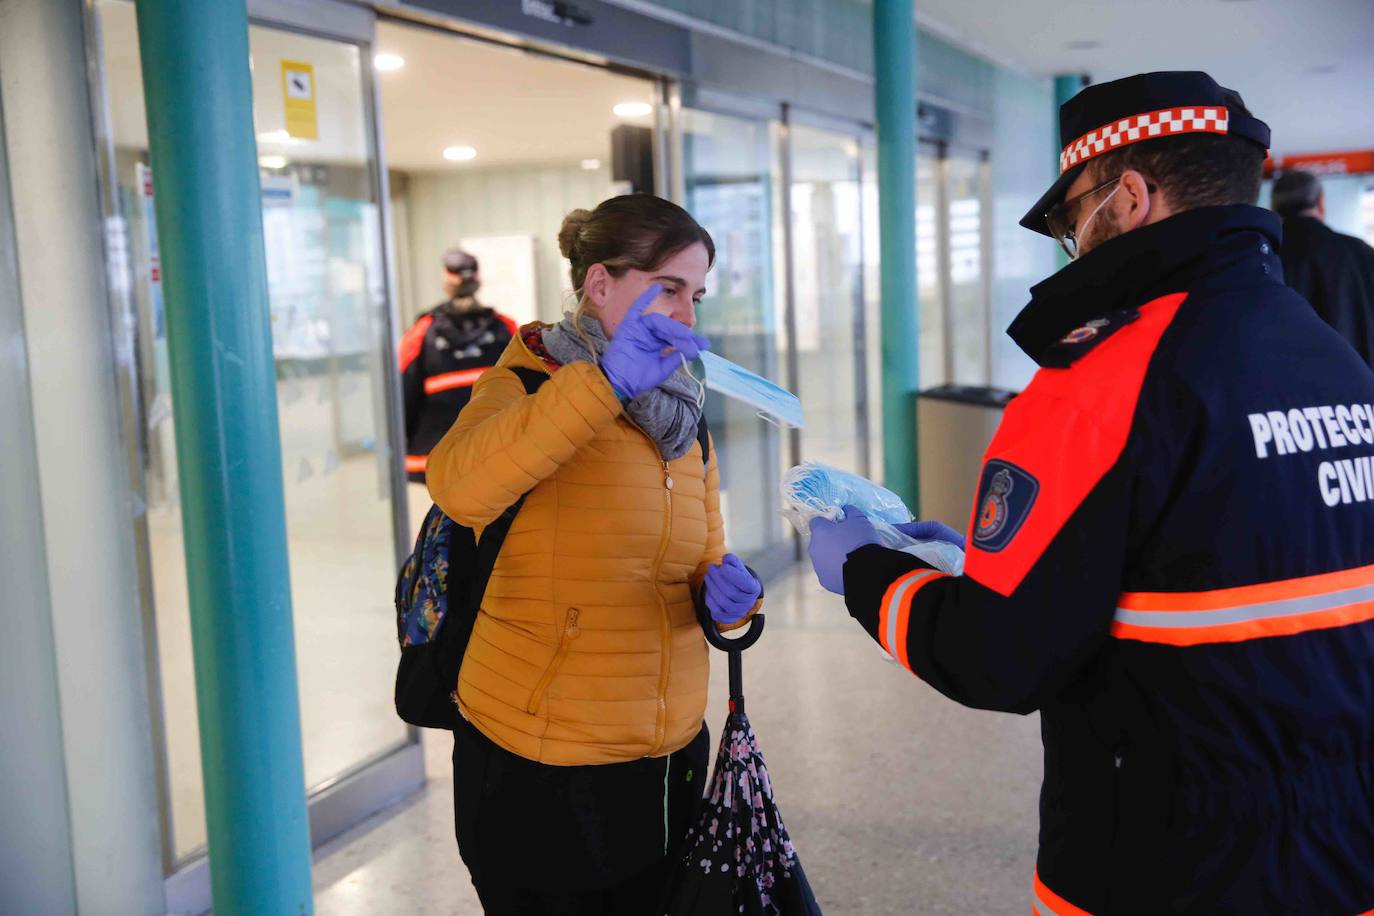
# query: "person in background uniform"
{"type": "Point", "coordinates": [1171, 554]}
{"type": "Point", "coordinates": [442, 356]}
{"type": "Point", "coordinates": [1332, 271]}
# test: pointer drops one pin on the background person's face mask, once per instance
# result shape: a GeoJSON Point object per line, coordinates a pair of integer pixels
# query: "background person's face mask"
{"type": "Point", "coordinates": [773, 402]}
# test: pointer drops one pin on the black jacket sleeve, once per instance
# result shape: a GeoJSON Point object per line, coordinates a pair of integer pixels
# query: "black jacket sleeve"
{"type": "Point", "coordinates": [1043, 571]}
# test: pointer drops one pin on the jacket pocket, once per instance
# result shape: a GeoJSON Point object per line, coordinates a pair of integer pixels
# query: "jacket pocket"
{"type": "Point", "coordinates": [565, 641]}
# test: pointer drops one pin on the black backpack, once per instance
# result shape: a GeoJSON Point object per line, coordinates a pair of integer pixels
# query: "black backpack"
{"type": "Point", "coordinates": [438, 594]}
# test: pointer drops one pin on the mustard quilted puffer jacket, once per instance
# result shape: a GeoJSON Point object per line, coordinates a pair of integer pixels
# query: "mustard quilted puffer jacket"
{"type": "Point", "coordinates": [587, 649]}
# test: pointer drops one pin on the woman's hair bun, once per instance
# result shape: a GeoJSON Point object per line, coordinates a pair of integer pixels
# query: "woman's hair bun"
{"type": "Point", "coordinates": [568, 234]}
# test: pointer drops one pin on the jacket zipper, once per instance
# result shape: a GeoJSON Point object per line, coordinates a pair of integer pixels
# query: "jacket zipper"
{"type": "Point", "coordinates": [564, 644]}
{"type": "Point", "coordinates": [666, 626]}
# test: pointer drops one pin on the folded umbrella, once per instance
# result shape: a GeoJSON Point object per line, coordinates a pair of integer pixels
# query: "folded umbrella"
{"type": "Point", "coordinates": [739, 858]}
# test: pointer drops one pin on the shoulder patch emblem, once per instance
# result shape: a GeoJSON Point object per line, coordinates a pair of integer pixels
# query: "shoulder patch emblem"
{"type": "Point", "coordinates": [1005, 497]}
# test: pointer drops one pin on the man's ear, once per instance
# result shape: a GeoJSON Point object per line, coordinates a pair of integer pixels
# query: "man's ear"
{"type": "Point", "coordinates": [1321, 205]}
{"type": "Point", "coordinates": [1136, 204]}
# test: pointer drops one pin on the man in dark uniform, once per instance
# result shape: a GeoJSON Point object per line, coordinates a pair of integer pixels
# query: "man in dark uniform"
{"type": "Point", "coordinates": [443, 354]}
{"type": "Point", "coordinates": [1332, 271]}
{"type": "Point", "coordinates": [1171, 553]}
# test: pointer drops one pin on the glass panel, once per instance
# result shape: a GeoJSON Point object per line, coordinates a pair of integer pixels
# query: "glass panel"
{"type": "Point", "coordinates": [728, 167]}
{"type": "Point", "coordinates": [504, 199]}
{"type": "Point", "coordinates": [929, 282]}
{"type": "Point", "coordinates": [967, 290]}
{"type": "Point", "coordinates": [826, 236]}
{"type": "Point", "coordinates": [328, 307]}
{"type": "Point", "coordinates": [873, 308]}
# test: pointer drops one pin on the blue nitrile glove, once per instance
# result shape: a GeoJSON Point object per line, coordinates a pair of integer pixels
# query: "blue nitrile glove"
{"type": "Point", "coordinates": [635, 362]}
{"type": "Point", "coordinates": [731, 590]}
{"type": "Point", "coordinates": [833, 542]}
{"type": "Point", "coordinates": [932, 531]}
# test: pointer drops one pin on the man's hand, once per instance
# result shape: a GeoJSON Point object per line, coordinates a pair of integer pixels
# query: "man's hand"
{"type": "Point", "coordinates": [833, 542]}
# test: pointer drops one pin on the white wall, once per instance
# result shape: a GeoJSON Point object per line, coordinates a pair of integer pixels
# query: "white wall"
{"type": "Point", "coordinates": [444, 207]}
{"type": "Point", "coordinates": [1023, 166]}
{"type": "Point", "coordinates": [88, 511]}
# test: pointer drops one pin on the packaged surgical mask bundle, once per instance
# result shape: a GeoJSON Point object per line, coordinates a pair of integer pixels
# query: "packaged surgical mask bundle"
{"type": "Point", "coordinates": [813, 490]}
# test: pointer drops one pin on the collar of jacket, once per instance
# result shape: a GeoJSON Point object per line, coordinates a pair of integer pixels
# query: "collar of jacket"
{"type": "Point", "coordinates": [1211, 246]}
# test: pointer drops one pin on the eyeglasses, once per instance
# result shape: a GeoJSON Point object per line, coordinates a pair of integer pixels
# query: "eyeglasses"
{"type": "Point", "coordinates": [1062, 218]}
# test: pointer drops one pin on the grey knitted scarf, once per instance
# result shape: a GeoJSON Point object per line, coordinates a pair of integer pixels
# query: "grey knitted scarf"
{"type": "Point", "coordinates": [668, 414]}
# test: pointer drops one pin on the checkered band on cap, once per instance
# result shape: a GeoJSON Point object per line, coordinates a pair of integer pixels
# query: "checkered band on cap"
{"type": "Point", "coordinates": [1166, 122]}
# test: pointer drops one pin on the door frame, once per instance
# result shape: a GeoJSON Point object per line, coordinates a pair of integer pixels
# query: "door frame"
{"type": "Point", "coordinates": [348, 798]}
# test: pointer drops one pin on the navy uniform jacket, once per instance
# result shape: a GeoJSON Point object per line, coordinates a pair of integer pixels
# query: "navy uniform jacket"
{"type": "Point", "coordinates": [1171, 557]}
{"type": "Point", "coordinates": [1335, 273]}
{"type": "Point", "coordinates": [442, 356]}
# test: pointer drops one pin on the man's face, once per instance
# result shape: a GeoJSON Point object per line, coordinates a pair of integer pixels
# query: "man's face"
{"type": "Point", "coordinates": [1094, 218]}
{"type": "Point", "coordinates": [453, 283]}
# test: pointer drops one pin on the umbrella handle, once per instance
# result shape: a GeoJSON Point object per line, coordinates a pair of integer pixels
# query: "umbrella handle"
{"type": "Point", "coordinates": [723, 642]}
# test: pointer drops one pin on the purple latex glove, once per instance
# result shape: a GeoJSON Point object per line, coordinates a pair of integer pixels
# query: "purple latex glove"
{"type": "Point", "coordinates": [932, 531]}
{"type": "Point", "coordinates": [833, 542]}
{"type": "Point", "coordinates": [635, 362]}
{"type": "Point", "coordinates": [731, 590]}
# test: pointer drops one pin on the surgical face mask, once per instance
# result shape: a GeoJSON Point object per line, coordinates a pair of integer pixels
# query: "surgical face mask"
{"type": "Point", "coordinates": [1083, 232]}
{"type": "Point", "coordinates": [774, 403]}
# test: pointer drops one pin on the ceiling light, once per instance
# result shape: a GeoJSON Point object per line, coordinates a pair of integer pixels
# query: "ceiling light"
{"type": "Point", "coordinates": [272, 162]}
{"type": "Point", "coordinates": [591, 165]}
{"type": "Point", "coordinates": [278, 137]}
{"type": "Point", "coordinates": [388, 62]}
{"type": "Point", "coordinates": [633, 109]}
{"type": "Point", "coordinates": [460, 153]}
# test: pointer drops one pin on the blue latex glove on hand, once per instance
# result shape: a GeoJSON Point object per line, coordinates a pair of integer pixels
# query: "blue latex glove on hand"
{"type": "Point", "coordinates": [731, 590]}
{"type": "Point", "coordinates": [833, 542]}
{"type": "Point", "coordinates": [932, 531]}
{"type": "Point", "coordinates": [635, 361]}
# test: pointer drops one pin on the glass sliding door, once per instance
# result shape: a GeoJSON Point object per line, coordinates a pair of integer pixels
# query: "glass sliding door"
{"type": "Point", "coordinates": [827, 259]}
{"type": "Point", "coordinates": [729, 173]}
{"type": "Point", "coordinates": [326, 288]}
{"type": "Point", "coordinates": [969, 311]}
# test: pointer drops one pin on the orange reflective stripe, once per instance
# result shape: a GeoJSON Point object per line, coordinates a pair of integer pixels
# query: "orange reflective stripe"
{"type": "Point", "coordinates": [416, 463]}
{"type": "Point", "coordinates": [450, 380]}
{"type": "Point", "coordinates": [1282, 608]}
{"type": "Point", "coordinates": [1046, 902]}
{"type": "Point", "coordinates": [894, 616]}
{"type": "Point", "coordinates": [1248, 594]}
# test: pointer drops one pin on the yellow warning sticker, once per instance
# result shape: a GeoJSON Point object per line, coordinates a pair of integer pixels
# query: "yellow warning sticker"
{"type": "Point", "coordinates": [298, 99]}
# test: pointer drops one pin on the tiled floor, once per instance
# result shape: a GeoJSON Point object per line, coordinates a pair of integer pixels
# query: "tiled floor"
{"type": "Point", "coordinates": [899, 801]}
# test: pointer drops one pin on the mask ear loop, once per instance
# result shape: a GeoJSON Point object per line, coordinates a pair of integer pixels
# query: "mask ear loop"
{"type": "Point", "coordinates": [701, 386]}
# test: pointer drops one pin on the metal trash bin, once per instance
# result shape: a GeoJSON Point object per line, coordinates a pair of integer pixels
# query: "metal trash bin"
{"type": "Point", "coordinates": [955, 424]}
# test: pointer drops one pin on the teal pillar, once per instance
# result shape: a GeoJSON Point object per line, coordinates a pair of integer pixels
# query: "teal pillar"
{"type": "Point", "coordinates": [894, 60]}
{"type": "Point", "coordinates": [1065, 88]}
{"type": "Point", "coordinates": [204, 158]}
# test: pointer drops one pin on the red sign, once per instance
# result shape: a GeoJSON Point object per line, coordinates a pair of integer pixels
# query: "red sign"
{"type": "Point", "coordinates": [1349, 163]}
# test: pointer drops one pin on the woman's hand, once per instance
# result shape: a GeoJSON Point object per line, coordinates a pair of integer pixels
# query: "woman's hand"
{"type": "Point", "coordinates": [731, 590]}
{"type": "Point", "coordinates": [645, 349]}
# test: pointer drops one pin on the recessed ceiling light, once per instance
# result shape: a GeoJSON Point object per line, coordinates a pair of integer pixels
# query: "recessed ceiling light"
{"type": "Point", "coordinates": [278, 137]}
{"type": "Point", "coordinates": [272, 162]}
{"type": "Point", "coordinates": [633, 109]}
{"type": "Point", "coordinates": [386, 62]}
{"type": "Point", "coordinates": [591, 165]}
{"type": "Point", "coordinates": [460, 153]}
{"type": "Point", "coordinates": [1083, 44]}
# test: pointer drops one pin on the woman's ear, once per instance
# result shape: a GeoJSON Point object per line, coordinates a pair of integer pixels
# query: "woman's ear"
{"type": "Point", "coordinates": [597, 285]}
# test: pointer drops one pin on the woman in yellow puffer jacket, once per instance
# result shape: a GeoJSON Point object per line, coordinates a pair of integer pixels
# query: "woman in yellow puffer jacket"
{"type": "Point", "coordinates": [582, 753]}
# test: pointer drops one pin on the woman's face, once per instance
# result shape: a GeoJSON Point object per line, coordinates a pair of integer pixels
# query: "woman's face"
{"type": "Point", "coordinates": [682, 276]}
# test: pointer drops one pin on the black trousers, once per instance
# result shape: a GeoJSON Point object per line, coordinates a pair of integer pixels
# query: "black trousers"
{"type": "Point", "coordinates": [544, 840]}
